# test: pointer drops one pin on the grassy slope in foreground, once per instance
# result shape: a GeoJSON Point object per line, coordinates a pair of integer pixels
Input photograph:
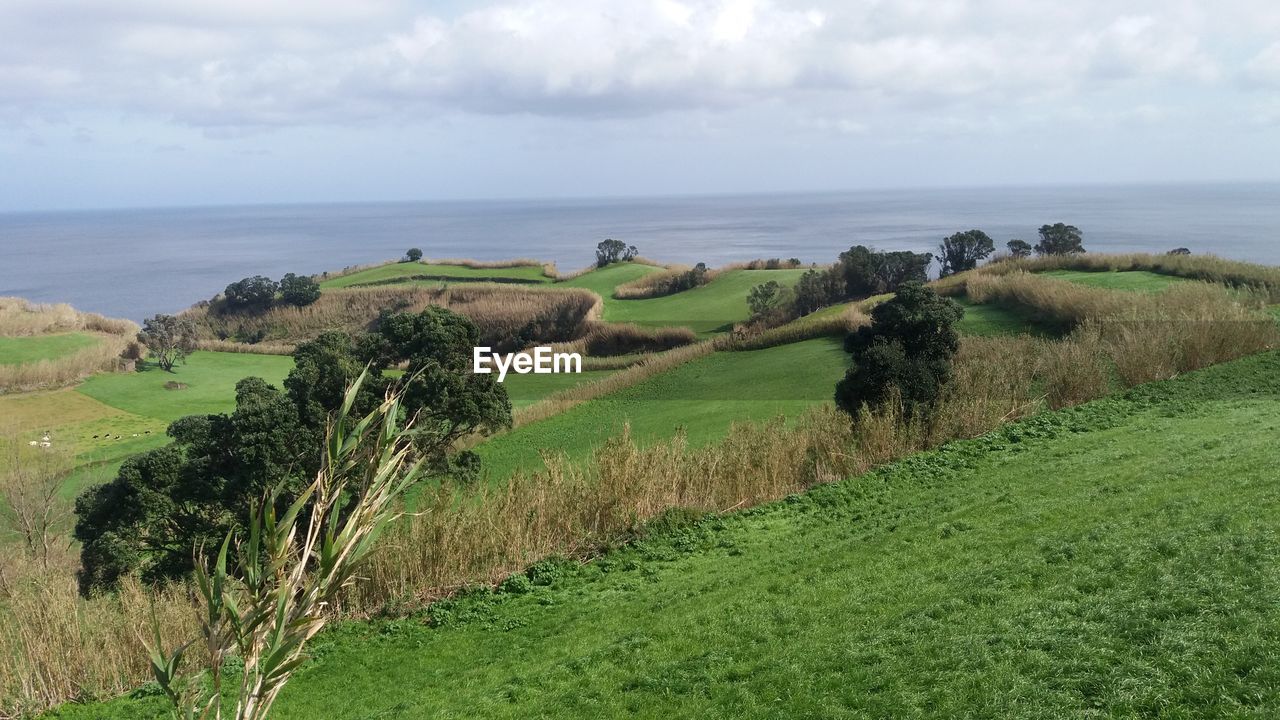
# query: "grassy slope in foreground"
{"type": "Point", "coordinates": [29, 349]}
{"type": "Point", "coordinates": [602, 281]}
{"type": "Point", "coordinates": [704, 397]}
{"type": "Point", "coordinates": [1114, 560]}
{"type": "Point", "coordinates": [406, 271]}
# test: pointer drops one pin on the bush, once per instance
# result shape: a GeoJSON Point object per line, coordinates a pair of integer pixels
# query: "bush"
{"type": "Point", "coordinates": [412, 255]}
{"type": "Point", "coordinates": [906, 351]}
{"type": "Point", "coordinates": [299, 290]}
{"type": "Point", "coordinates": [251, 293]}
{"type": "Point", "coordinates": [769, 300]}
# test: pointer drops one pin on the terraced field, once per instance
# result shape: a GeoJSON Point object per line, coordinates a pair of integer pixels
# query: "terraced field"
{"type": "Point", "coordinates": [706, 309]}
{"type": "Point", "coordinates": [406, 272]}
{"type": "Point", "coordinates": [22, 350]}
{"type": "Point", "coordinates": [1134, 280]}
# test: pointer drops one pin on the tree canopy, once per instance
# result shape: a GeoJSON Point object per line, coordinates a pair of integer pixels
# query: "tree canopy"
{"type": "Point", "coordinates": [1059, 239]}
{"type": "Point", "coordinates": [612, 251]}
{"type": "Point", "coordinates": [299, 290]}
{"type": "Point", "coordinates": [907, 348]}
{"type": "Point", "coordinates": [1019, 248]}
{"type": "Point", "coordinates": [251, 293]}
{"type": "Point", "coordinates": [164, 502]}
{"type": "Point", "coordinates": [169, 339]}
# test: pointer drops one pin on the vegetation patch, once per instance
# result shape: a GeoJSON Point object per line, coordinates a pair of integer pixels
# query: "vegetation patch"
{"type": "Point", "coordinates": [407, 272]}
{"type": "Point", "coordinates": [1134, 280]}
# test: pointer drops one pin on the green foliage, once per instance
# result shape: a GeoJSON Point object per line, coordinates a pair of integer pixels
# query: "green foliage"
{"type": "Point", "coordinates": [169, 339]}
{"type": "Point", "coordinates": [167, 501]}
{"type": "Point", "coordinates": [870, 272]}
{"type": "Point", "coordinates": [412, 255]}
{"type": "Point", "coordinates": [611, 251]}
{"type": "Point", "coordinates": [250, 294]}
{"type": "Point", "coordinates": [817, 289]}
{"type": "Point", "coordinates": [1019, 248]}
{"type": "Point", "coordinates": [905, 352]}
{"type": "Point", "coordinates": [1059, 239]}
{"type": "Point", "coordinates": [1113, 560]}
{"type": "Point", "coordinates": [769, 300]}
{"type": "Point", "coordinates": [299, 290]}
{"type": "Point", "coordinates": [1179, 251]}
{"type": "Point", "coordinates": [963, 250]}
{"type": "Point", "coordinates": [34, 348]}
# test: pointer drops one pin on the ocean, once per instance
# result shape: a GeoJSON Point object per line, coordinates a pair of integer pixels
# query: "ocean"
{"type": "Point", "coordinates": [137, 262]}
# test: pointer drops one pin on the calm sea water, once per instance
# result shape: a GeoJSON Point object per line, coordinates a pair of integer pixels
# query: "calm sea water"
{"type": "Point", "coordinates": [134, 263]}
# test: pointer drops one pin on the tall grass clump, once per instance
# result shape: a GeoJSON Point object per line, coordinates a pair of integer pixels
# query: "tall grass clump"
{"type": "Point", "coordinates": [611, 339]}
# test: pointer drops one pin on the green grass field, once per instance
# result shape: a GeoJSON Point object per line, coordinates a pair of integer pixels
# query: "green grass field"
{"type": "Point", "coordinates": [406, 272]}
{"type": "Point", "coordinates": [1134, 280]}
{"type": "Point", "coordinates": [990, 319]}
{"type": "Point", "coordinates": [713, 307]}
{"type": "Point", "coordinates": [602, 281]}
{"type": "Point", "coordinates": [525, 390]}
{"type": "Point", "coordinates": [23, 350]}
{"type": "Point", "coordinates": [1114, 560]}
{"type": "Point", "coordinates": [702, 397]}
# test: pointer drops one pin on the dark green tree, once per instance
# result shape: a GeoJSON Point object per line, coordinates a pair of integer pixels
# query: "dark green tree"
{"type": "Point", "coordinates": [909, 346]}
{"type": "Point", "coordinates": [1059, 239]}
{"type": "Point", "coordinates": [612, 251]}
{"type": "Point", "coordinates": [817, 289]}
{"type": "Point", "coordinates": [251, 293]}
{"type": "Point", "coordinates": [870, 272]}
{"type": "Point", "coordinates": [165, 502]}
{"type": "Point", "coordinates": [1179, 251]}
{"type": "Point", "coordinates": [412, 255]}
{"type": "Point", "coordinates": [963, 250]}
{"type": "Point", "coordinates": [1019, 248]}
{"type": "Point", "coordinates": [768, 299]}
{"type": "Point", "coordinates": [299, 290]}
{"type": "Point", "coordinates": [169, 339]}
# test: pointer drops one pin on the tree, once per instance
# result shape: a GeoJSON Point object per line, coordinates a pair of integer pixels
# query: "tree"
{"type": "Point", "coordinates": [412, 255]}
{"type": "Point", "coordinates": [908, 348]}
{"type": "Point", "coordinates": [299, 290]}
{"type": "Point", "coordinates": [612, 251]}
{"type": "Point", "coordinates": [963, 250]}
{"type": "Point", "coordinates": [196, 490]}
{"type": "Point", "coordinates": [871, 272]}
{"type": "Point", "coordinates": [768, 299]}
{"type": "Point", "coordinates": [1180, 251]}
{"type": "Point", "coordinates": [251, 293]}
{"type": "Point", "coordinates": [269, 591]}
{"type": "Point", "coordinates": [169, 339]}
{"type": "Point", "coordinates": [1019, 248]}
{"type": "Point", "coordinates": [1059, 239]}
{"type": "Point", "coordinates": [817, 289]}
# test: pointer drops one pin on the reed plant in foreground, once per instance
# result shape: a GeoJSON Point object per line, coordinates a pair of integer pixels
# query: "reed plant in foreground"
{"type": "Point", "coordinates": [288, 571]}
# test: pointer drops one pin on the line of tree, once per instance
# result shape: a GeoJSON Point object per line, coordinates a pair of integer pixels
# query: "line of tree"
{"type": "Point", "coordinates": [258, 292]}
{"type": "Point", "coordinates": [191, 493]}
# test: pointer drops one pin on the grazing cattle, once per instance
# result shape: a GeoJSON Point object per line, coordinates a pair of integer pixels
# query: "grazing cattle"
{"type": "Point", "coordinates": [45, 444]}
{"type": "Point", "coordinates": [33, 443]}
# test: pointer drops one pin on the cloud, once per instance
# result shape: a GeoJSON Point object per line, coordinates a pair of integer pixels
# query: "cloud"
{"type": "Point", "coordinates": [273, 63]}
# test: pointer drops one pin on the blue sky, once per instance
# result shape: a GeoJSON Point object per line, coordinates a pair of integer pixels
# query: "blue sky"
{"type": "Point", "coordinates": [162, 102]}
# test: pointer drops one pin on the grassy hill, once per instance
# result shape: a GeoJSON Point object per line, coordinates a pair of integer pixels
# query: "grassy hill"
{"type": "Point", "coordinates": [435, 273]}
{"type": "Point", "coordinates": [1113, 560]}
{"type": "Point", "coordinates": [19, 350]}
{"type": "Point", "coordinates": [1135, 280]}
{"type": "Point", "coordinates": [602, 281]}
{"type": "Point", "coordinates": [713, 307]}
{"type": "Point", "coordinates": [702, 397]}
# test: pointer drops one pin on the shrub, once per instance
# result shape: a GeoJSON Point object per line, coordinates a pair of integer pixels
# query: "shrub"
{"type": "Point", "coordinates": [412, 255]}
{"type": "Point", "coordinates": [769, 300]}
{"type": "Point", "coordinates": [299, 290]}
{"type": "Point", "coordinates": [907, 349]}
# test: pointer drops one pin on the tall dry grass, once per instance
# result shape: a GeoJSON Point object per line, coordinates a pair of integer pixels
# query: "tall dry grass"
{"type": "Point", "coordinates": [1208, 268]}
{"type": "Point", "coordinates": [508, 317]}
{"type": "Point", "coordinates": [611, 339]}
{"type": "Point", "coordinates": [261, 348]}
{"type": "Point", "coordinates": [21, 318]}
{"type": "Point", "coordinates": [798, 330]}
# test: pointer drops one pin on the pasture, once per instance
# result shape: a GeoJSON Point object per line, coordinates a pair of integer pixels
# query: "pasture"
{"type": "Point", "coordinates": [1133, 280]}
{"type": "Point", "coordinates": [435, 273]}
{"type": "Point", "coordinates": [34, 348]}
{"type": "Point", "coordinates": [714, 307]}
{"type": "Point", "coordinates": [954, 583]}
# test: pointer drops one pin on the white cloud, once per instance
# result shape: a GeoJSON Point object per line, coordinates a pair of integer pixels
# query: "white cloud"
{"type": "Point", "coordinates": [288, 62]}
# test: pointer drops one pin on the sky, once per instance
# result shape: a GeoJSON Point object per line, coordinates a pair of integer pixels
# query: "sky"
{"type": "Point", "coordinates": [128, 103]}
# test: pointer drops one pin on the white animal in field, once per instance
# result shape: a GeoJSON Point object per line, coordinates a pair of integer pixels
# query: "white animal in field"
{"type": "Point", "coordinates": [46, 444]}
{"type": "Point", "coordinates": [33, 443]}
{"type": "Point", "coordinates": [45, 438]}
